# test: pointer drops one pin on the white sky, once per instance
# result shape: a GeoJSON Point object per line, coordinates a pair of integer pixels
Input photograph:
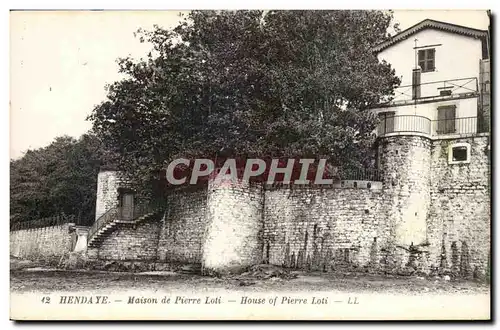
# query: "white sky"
{"type": "Point", "coordinates": [61, 61]}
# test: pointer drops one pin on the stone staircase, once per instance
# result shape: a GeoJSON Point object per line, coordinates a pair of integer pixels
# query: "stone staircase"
{"type": "Point", "coordinates": [111, 220]}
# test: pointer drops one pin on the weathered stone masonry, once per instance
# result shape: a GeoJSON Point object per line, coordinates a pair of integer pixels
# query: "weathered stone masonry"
{"type": "Point", "coordinates": [233, 237]}
{"type": "Point", "coordinates": [426, 215]}
{"type": "Point", "coordinates": [107, 192]}
{"type": "Point", "coordinates": [320, 228]}
{"type": "Point", "coordinates": [183, 227]}
{"type": "Point", "coordinates": [459, 219]}
{"type": "Point", "coordinates": [129, 242]}
{"type": "Point", "coordinates": [53, 241]}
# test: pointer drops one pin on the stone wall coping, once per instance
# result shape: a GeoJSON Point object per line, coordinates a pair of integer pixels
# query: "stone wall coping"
{"type": "Point", "coordinates": [322, 186]}
{"type": "Point", "coordinates": [460, 136]}
{"type": "Point", "coordinates": [437, 137]}
{"type": "Point", "coordinates": [108, 168]}
{"type": "Point", "coordinates": [82, 229]}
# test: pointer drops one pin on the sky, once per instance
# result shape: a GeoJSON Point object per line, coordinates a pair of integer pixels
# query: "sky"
{"type": "Point", "coordinates": [60, 63]}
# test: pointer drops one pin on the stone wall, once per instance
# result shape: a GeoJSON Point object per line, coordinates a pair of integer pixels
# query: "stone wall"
{"type": "Point", "coordinates": [183, 227]}
{"type": "Point", "coordinates": [459, 222]}
{"type": "Point", "coordinates": [324, 228]}
{"type": "Point", "coordinates": [107, 191]}
{"type": "Point", "coordinates": [53, 241]}
{"type": "Point", "coordinates": [405, 164]}
{"type": "Point", "coordinates": [427, 215]}
{"type": "Point", "coordinates": [132, 242]}
{"type": "Point", "coordinates": [233, 237]}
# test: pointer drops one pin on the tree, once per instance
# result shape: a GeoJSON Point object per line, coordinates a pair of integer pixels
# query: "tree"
{"type": "Point", "coordinates": [275, 84]}
{"type": "Point", "coordinates": [60, 178]}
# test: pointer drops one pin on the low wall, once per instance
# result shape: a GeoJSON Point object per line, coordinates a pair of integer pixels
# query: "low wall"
{"type": "Point", "coordinates": [131, 242]}
{"type": "Point", "coordinates": [53, 241]}
{"type": "Point", "coordinates": [183, 227]}
{"type": "Point", "coordinates": [459, 224]}
{"type": "Point", "coordinates": [324, 228]}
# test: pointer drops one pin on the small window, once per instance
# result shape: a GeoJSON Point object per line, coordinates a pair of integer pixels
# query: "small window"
{"type": "Point", "coordinates": [459, 153]}
{"type": "Point", "coordinates": [426, 59]}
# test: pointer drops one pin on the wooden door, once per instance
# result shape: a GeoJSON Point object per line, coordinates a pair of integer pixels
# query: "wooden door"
{"type": "Point", "coordinates": [128, 206]}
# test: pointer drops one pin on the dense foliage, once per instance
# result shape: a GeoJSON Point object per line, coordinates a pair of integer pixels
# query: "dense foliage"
{"type": "Point", "coordinates": [60, 178]}
{"type": "Point", "coordinates": [259, 84]}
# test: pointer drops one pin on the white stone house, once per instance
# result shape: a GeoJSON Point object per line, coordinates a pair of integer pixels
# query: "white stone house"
{"type": "Point", "coordinates": [444, 71]}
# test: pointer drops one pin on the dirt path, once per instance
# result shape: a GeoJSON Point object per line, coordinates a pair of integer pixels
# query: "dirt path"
{"type": "Point", "coordinates": [53, 280]}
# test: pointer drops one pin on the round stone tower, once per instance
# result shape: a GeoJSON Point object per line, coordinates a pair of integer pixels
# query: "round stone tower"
{"type": "Point", "coordinates": [108, 183]}
{"type": "Point", "coordinates": [233, 237]}
{"type": "Point", "coordinates": [405, 162]}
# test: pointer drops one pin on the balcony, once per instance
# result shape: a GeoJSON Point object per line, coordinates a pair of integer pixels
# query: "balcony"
{"type": "Point", "coordinates": [423, 125]}
{"type": "Point", "coordinates": [433, 91]}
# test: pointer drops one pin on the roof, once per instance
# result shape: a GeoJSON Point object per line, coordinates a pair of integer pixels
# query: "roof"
{"type": "Point", "coordinates": [437, 25]}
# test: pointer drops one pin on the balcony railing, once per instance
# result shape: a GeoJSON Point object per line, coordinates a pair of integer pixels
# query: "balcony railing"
{"type": "Point", "coordinates": [406, 124]}
{"type": "Point", "coordinates": [423, 125]}
{"type": "Point", "coordinates": [435, 90]}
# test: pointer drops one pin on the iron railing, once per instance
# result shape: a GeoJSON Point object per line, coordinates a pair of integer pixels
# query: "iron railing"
{"type": "Point", "coordinates": [408, 124]}
{"type": "Point", "coordinates": [108, 217]}
{"type": "Point", "coordinates": [466, 125]}
{"type": "Point", "coordinates": [359, 174]}
{"type": "Point", "coordinates": [423, 125]}
{"type": "Point", "coordinates": [44, 222]}
{"type": "Point", "coordinates": [435, 89]}
{"type": "Point", "coordinates": [140, 209]}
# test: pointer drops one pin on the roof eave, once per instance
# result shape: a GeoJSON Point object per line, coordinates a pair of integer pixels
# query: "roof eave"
{"type": "Point", "coordinates": [430, 24]}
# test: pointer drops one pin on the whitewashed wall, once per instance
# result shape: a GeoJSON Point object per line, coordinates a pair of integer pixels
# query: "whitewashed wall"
{"type": "Point", "coordinates": [457, 57]}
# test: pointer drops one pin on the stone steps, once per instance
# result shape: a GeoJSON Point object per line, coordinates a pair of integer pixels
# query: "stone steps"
{"type": "Point", "coordinates": [97, 239]}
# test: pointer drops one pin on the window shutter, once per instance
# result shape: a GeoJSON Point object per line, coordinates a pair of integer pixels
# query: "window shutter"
{"type": "Point", "coordinates": [431, 53]}
{"type": "Point", "coordinates": [387, 122]}
{"type": "Point", "coordinates": [450, 119]}
{"type": "Point", "coordinates": [441, 120]}
{"type": "Point", "coordinates": [446, 120]}
{"type": "Point", "coordinates": [421, 59]}
{"type": "Point", "coordinates": [430, 59]}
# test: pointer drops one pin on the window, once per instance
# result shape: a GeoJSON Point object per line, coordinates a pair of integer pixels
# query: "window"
{"type": "Point", "coordinates": [459, 153]}
{"type": "Point", "coordinates": [446, 120]}
{"type": "Point", "coordinates": [426, 59]}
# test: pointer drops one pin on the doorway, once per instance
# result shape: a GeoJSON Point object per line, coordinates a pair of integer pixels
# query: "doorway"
{"type": "Point", "coordinates": [127, 204]}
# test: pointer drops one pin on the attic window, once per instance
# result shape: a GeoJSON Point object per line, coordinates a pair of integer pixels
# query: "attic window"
{"type": "Point", "coordinates": [426, 59]}
{"type": "Point", "coordinates": [459, 153]}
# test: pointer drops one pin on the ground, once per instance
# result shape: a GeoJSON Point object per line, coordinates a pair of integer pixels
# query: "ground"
{"type": "Point", "coordinates": [54, 280]}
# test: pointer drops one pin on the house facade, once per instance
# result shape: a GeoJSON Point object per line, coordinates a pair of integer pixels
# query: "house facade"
{"type": "Point", "coordinates": [444, 71]}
